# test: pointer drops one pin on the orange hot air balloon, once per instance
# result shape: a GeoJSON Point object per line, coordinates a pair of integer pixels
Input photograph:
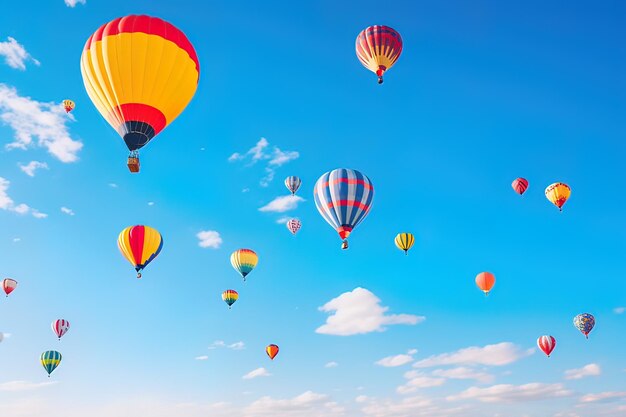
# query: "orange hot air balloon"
{"type": "Point", "coordinates": [272, 351]}
{"type": "Point", "coordinates": [558, 193]}
{"type": "Point", "coordinates": [485, 281]}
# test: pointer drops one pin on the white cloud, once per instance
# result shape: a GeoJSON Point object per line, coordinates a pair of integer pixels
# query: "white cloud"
{"type": "Point", "coordinates": [67, 211]}
{"type": "Point", "coordinates": [256, 373]}
{"type": "Point", "coordinates": [417, 380]}
{"type": "Point", "coordinates": [464, 373]}
{"type": "Point", "coordinates": [490, 355]}
{"type": "Point", "coordinates": [283, 220]}
{"type": "Point", "coordinates": [45, 122]}
{"type": "Point", "coordinates": [17, 386]}
{"type": "Point", "coordinates": [221, 344]}
{"type": "Point", "coordinates": [113, 185]}
{"type": "Point", "coordinates": [280, 158]}
{"type": "Point", "coordinates": [603, 397]}
{"type": "Point", "coordinates": [331, 365]}
{"type": "Point", "coordinates": [15, 55]}
{"type": "Point", "coordinates": [259, 152]}
{"type": "Point", "coordinates": [30, 168]}
{"type": "Point", "coordinates": [151, 203]}
{"type": "Point", "coordinates": [505, 393]}
{"type": "Point", "coordinates": [591, 369]}
{"type": "Point", "coordinates": [307, 404]}
{"type": "Point", "coordinates": [397, 360]}
{"type": "Point", "coordinates": [619, 310]}
{"type": "Point", "coordinates": [413, 406]}
{"type": "Point", "coordinates": [17, 239]}
{"type": "Point", "coordinates": [73, 3]}
{"type": "Point", "coordinates": [236, 346]}
{"type": "Point", "coordinates": [209, 239]}
{"type": "Point", "coordinates": [282, 204]}
{"type": "Point", "coordinates": [201, 358]}
{"type": "Point", "coordinates": [359, 311]}
{"type": "Point", "coordinates": [245, 190]}
{"type": "Point", "coordinates": [7, 203]}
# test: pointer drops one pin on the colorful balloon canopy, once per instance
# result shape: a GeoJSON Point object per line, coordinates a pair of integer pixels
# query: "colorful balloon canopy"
{"type": "Point", "coordinates": [244, 261]}
{"type": "Point", "coordinates": [140, 245]}
{"type": "Point", "coordinates": [293, 225]}
{"type": "Point", "coordinates": [60, 327]}
{"type": "Point", "coordinates": [378, 48]}
{"type": "Point", "coordinates": [585, 323]}
{"type": "Point", "coordinates": [293, 183]}
{"type": "Point", "coordinates": [50, 360]}
{"type": "Point", "coordinates": [558, 193]}
{"type": "Point", "coordinates": [344, 198]}
{"type": "Point", "coordinates": [230, 296]}
{"type": "Point", "coordinates": [520, 185]}
{"type": "Point", "coordinates": [485, 281]}
{"type": "Point", "coordinates": [140, 72]}
{"type": "Point", "coordinates": [9, 285]}
{"type": "Point", "coordinates": [272, 351]}
{"type": "Point", "coordinates": [68, 105]}
{"type": "Point", "coordinates": [546, 344]}
{"type": "Point", "coordinates": [404, 241]}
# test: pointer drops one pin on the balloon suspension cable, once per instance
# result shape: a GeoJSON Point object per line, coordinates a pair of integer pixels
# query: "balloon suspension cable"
{"type": "Point", "coordinates": [406, 251]}
{"type": "Point", "coordinates": [134, 154]}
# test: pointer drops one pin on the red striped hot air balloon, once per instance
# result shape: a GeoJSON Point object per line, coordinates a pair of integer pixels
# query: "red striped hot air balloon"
{"type": "Point", "coordinates": [140, 72]}
{"type": "Point", "coordinates": [60, 327]}
{"type": "Point", "coordinates": [546, 344]}
{"type": "Point", "coordinates": [378, 48]}
{"type": "Point", "coordinates": [272, 351]}
{"type": "Point", "coordinates": [485, 281]}
{"type": "Point", "coordinates": [520, 185]}
{"type": "Point", "coordinates": [9, 285]}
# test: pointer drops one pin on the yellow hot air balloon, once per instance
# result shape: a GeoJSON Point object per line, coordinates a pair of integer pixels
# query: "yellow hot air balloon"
{"type": "Point", "coordinates": [140, 72]}
{"type": "Point", "coordinates": [68, 105]}
{"type": "Point", "coordinates": [404, 241]}
{"type": "Point", "coordinates": [244, 261]}
{"type": "Point", "coordinates": [558, 193]}
{"type": "Point", "coordinates": [140, 245]}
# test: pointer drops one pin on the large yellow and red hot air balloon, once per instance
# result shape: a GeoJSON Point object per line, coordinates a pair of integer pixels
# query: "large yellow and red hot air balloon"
{"type": "Point", "coordinates": [378, 48]}
{"type": "Point", "coordinates": [140, 72]}
{"type": "Point", "coordinates": [140, 245]}
{"type": "Point", "coordinates": [558, 193]}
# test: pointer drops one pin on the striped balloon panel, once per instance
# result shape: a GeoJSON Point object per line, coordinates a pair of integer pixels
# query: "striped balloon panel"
{"type": "Point", "coordinates": [293, 183]}
{"type": "Point", "coordinates": [344, 198]}
{"type": "Point", "coordinates": [140, 72]}
{"type": "Point", "coordinates": [60, 327]}
{"type": "Point", "coordinates": [546, 344]}
{"type": "Point", "coordinates": [244, 261]}
{"type": "Point", "coordinates": [140, 245]}
{"type": "Point", "coordinates": [8, 285]}
{"type": "Point", "coordinates": [404, 241]}
{"type": "Point", "coordinates": [294, 225]}
{"type": "Point", "coordinates": [50, 360]}
{"type": "Point", "coordinates": [378, 46]}
{"type": "Point", "coordinates": [272, 351]}
{"type": "Point", "coordinates": [230, 296]}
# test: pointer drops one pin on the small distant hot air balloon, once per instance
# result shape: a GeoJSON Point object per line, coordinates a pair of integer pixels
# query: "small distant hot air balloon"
{"type": "Point", "coordinates": [546, 344]}
{"type": "Point", "coordinates": [60, 327]}
{"type": "Point", "coordinates": [140, 245]}
{"type": "Point", "coordinates": [140, 72]}
{"type": "Point", "coordinates": [585, 322]}
{"type": "Point", "coordinates": [378, 48]}
{"type": "Point", "coordinates": [8, 285]}
{"type": "Point", "coordinates": [294, 225]}
{"type": "Point", "coordinates": [404, 241]}
{"type": "Point", "coordinates": [344, 198]}
{"type": "Point", "coordinates": [68, 105]}
{"type": "Point", "coordinates": [272, 351]}
{"type": "Point", "coordinates": [520, 185]}
{"type": "Point", "coordinates": [244, 261]}
{"type": "Point", "coordinates": [50, 360]}
{"type": "Point", "coordinates": [293, 183]}
{"type": "Point", "coordinates": [229, 297]}
{"type": "Point", "coordinates": [485, 281]}
{"type": "Point", "coordinates": [558, 193]}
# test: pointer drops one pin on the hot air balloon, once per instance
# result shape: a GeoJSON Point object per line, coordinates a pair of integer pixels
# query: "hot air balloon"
{"type": "Point", "coordinates": [8, 285]}
{"type": "Point", "coordinates": [140, 72]}
{"type": "Point", "coordinates": [344, 198]}
{"type": "Point", "coordinates": [558, 193]}
{"type": "Point", "coordinates": [50, 360]}
{"type": "Point", "coordinates": [272, 351]}
{"type": "Point", "coordinates": [404, 241]}
{"type": "Point", "coordinates": [520, 185]}
{"type": "Point", "coordinates": [294, 225]}
{"type": "Point", "coordinates": [68, 105]}
{"type": "Point", "coordinates": [485, 281]}
{"type": "Point", "coordinates": [229, 297]}
{"type": "Point", "coordinates": [546, 344]}
{"type": "Point", "coordinates": [584, 322]}
{"type": "Point", "coordinates": [378, 48]}
{"type": "Point", "coordinates": [140, 245]}
{"type": "Point", "coordinates": [244, 261]}
{"type": "Point", "coordinates": [293, 183]}
{"type": "Point", "coordinates": [60, 327]}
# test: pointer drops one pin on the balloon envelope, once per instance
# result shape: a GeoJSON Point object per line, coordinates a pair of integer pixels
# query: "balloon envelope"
{"type": "Point", "coordinates": [244, 261]}
{"type": "Point", "coordinates": [293, 225]}
{"type": "Point", "coordinates": [293, 184]}
{"type": "Point", "coordinates": [140, 245]}
{"type": "Point", "coordinates": [485, 281]}
{"type": "Point", "coordinates": [558, 194]}
{"type": "Point", "coordinates": [68, 105]}
{"type": "Point", "coordinates": [230, 296]}
{"type": "Point", "coordinates": [520, 185]}
{"type": "Point", "coordinates": [585, 323]}
{"type": "Point", "coordinates": [272, 351]}
{"type": "Point", "coordinates": [378, 48]}
{"type": "Point", "coordinates": [60, 327]}
{"type": "Point", "coordinates": [546, 344]}
{"type": "Point", "coordinates": [404, 241]}
{"type": "Point", "coordinates": [9, 285]}
{"type": "Point", "coordinates": [50, 360]}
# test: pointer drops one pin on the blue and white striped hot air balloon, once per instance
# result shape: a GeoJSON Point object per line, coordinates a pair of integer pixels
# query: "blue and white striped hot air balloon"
{"type": "Point", "coordinates": [293, 183]}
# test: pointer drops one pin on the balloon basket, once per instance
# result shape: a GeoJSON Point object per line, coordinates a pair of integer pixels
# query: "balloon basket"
{"type": "Point", "coordinates": [133, 164]}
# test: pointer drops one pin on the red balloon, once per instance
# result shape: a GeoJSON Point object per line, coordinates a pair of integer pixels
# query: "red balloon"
{"type": "Point", "coordinates": [520, 185]}
{"type": "Point", "coordinates": [547, 344]}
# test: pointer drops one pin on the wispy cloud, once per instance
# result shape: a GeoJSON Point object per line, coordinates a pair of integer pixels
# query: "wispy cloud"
{"type": "Point", "coordinates": [397, 360]}
{"type": "Point", "coordinates": [261, 152]}
{"type": "Point", "coordinates": [331, 364]}
{"type": "Point", "coordinates": [256, 373]}
{"type": "Point", "coordinates": [591, 369]}
{"type": "Point", "coordinates": [603, 397]}
{"type": "Point", "coordinates": [36, 123]}
{"type": "Point", "coordinates": [113, 185]}
{"type": "Point", "coordinates": [15, 55]}
{"type": "Point", "coordinates": [221, 344]}
{"type": "Point", "coordinates": [464, 373]}
{"type": "Point", "coordinates": [505, 393]}
{"type": "Point", "coordinates": [18, 386]}
{"type": "Point", "coordinates": [67, 211]}
{"type": "Point", "coordinates": [619, 310]}
{"type": "Point", "coordinates": [209, 239]}
{"type": "Point", "coordinates": [307, 404]}
{"type": "Point", "coordinates": [7, 203]}
{"type": "Point", "coordinates": [282, 204]}
{"type": "Point", "coordinates": [359, 311]}
{"type": "Point", "coordinates": [73, 3]}
{"type": "Point", "coordinates": [417, 380]}
{"type": "Point", "coordinates": [490, 355]}
{"type": "Point", "coordinates": [31, 167]}
{"type": "Point", "coordinates": [201, 358]}
{"type": "Point", "coordinates": [151, 203]}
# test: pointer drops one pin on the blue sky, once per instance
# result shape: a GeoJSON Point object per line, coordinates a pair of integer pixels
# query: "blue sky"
{"type": "Point", "coordinates": [482, 94]}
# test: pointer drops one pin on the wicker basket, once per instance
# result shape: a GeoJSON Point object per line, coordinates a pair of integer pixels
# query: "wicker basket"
{"type": "Point", "coordinates": [133, 164]}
